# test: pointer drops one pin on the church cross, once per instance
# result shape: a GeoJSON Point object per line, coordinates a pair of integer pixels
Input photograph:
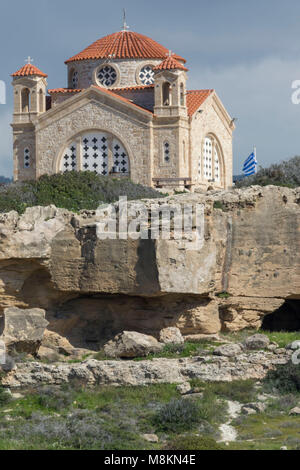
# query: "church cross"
{"type": "Point", "coordinates": [125, 25]}
{"type": "Point", "coordinates": [29, 60]}
{"type": "Point", "coordinates": [170, 53]}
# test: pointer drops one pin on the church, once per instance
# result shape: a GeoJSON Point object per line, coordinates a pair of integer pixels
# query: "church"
{"type": "Point", "coordinates": [126, 112]}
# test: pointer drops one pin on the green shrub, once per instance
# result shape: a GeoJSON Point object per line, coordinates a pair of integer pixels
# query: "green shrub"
{"type": "Point", "coordinates": [191, 442]}
{"type": "Point", "coordinates": [4, 396]}
{"type": "Point", "coordinates": [283, 174]}
{"type": "Point", "coordinates": [74, 191]}
{"type": "Point", "coordinates": [54, 398]}
{"type": "Point", "coordinates": [219, 205]}
{"type": "Point", "coordinates": [285, 378]}
{"type": "Point", "coordinates": [177, 415]}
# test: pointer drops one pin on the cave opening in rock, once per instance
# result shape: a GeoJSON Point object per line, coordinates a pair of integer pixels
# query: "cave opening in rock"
{"type": "Point", "coordinates": [286, 318]}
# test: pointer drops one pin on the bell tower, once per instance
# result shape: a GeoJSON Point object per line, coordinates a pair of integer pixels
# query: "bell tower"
{"type": "Point", "coordinates": [170, 88]}
{"type": "Point", "coordinates": [30, 85]}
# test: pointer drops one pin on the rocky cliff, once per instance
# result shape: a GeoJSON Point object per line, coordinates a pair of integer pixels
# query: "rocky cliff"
{"type": "Point", "coordinates": [91, 289]}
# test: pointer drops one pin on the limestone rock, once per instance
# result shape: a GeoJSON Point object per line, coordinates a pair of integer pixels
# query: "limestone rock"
{"type": "Point", "coordinates": [294, 346]}
{"type": "Point", "coordinates": [171, 336]}
{"type": "Point", "coordinates": [24, 329]}
{"type": "Point", "coordinates": [91, 372]}
{"type": "Point", "coordinates": [184, 388]}
{"type": "Point", "coordinates": [151, 438]}
{"type": "Point", "coordinates": [130, 344]}
{"type": "Point", "coordinates": [229, 350]}
{"type": "Point", "coordinates": [295, 411]}
{"type": "Point", "coordinates": [57, 343]}
{"type": "Point", "coordinates": [252, 408]}
{"type": "Point", "coordinates": [257, 342]}
{"type": "Point", "coordinates": [48, 354]}
{"type": "Point", "coordinates": [52, 259]}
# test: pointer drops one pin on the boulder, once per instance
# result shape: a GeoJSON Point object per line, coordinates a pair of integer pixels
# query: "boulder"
{"type": "Point", "coordinates": [228, 350]}
{"type": "Point", "coordinates": [24, 329]}
{"type": "Point", "coordinates": [150, 438]}
{"type": "Point", "coordinates": [257, 341]}
{"type": "Point", "coordinates": [294, 346]}
{"type": "Point", "coordinates": [47, 354]}
{"type": "Point", "coordinates": [57, 343]}
{"type": "Point", "coordinates": [184, 388]}
{"type": "Point", "coordinates": [295, 411]}
{"type": "Point", "coordinates": [171, 336]}
{"type": "Point", "coordinates": [130, 344]}
{"type": "Point", "coordinates": [252, 408]}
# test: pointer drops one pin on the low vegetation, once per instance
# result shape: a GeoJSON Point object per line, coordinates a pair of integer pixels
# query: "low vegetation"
{"type": "Point", "coordinates": [74, 191]}
{"type": "Point", "coordinates": [286, 173]}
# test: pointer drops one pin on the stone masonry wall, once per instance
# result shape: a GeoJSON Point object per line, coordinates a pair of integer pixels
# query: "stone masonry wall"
{"type": "Point", "coordinates": [54, 137]}
{"type": "Point", "coordinates": [211, 121]}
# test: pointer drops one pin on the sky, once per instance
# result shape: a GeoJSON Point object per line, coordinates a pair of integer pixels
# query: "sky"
{"type": "Point", "coordinates": [249, 52]}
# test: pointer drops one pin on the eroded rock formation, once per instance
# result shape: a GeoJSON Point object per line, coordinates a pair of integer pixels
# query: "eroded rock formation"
{"type": "Point", "coordinates": [93, 289]}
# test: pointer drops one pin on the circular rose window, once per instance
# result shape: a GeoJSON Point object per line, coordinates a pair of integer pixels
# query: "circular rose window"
{"type": "Point", "coordinates": [146, 75]}
{"type": "Point", "coordinates": [107, 76]}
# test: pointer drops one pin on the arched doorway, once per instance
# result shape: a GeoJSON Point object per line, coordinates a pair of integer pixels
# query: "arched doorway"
{"type": "Point", "coordinates": [99, 152]}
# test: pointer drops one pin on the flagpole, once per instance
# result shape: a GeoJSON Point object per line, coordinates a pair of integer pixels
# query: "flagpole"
{"type": "Point", "coordinates": [254, 150]}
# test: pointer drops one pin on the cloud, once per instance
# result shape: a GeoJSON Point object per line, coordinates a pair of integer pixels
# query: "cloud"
{"type": "Point", "coordinates": [259, 95]}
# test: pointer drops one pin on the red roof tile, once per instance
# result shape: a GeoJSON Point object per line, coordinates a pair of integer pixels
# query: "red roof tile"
{"type": "Point", "coordinates": [63, 90]}
{"type": "Point", "coordinates": [195, 98]}
{"type": "Point", "coordinates": [123, 45]}
{"type": "Point", "coordinates": [29, 70]}
{"type": "Point", "coordinates": [170, 63]}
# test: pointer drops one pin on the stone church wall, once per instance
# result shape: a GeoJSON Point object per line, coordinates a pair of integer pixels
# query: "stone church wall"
{"type": "Point", "coordinates": [56, 132]}
{"type": "Point", "coordinates": [211, 121]}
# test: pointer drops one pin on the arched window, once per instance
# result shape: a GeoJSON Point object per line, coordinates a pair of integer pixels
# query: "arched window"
{"type": "Point", "coordinates": [27, 158]}
{"type": "Point", "coordinates": [25, 98]}
{"type": "Point", "coordinates": [212, 158]}
{"type": "Point", "coordinates": [166, 150]}
{"type": "Point", "coordinates": [207, 158]}
{"type": "Point", "coordinates": [41, 101]}
{"type": "Point", "coordinates": [166, 94]}
{"type": "Point", "coordinates": [181, 95]}
{"type": "Point", "coordinates": [95, 148]}
{"type": "Point", "coordinates": [74, 79]}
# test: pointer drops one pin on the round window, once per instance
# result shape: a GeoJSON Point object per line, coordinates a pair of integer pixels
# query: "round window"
{"type": "Point", "coordinates": [146, 75]}
{"type": "Point", "coordinates": [107, 76]}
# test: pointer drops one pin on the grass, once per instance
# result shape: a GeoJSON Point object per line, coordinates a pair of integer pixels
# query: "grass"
{"type": "Point", "coordinates": [171, 351]}
{"type": "Point", "coordinates": [282, 338]}
{"type": "Point", "coordinates": [242, 391]}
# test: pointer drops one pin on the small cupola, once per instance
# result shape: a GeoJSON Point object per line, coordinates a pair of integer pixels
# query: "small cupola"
{"type": "Point", "coordinates": [170, 88]}
{"type": "Point", "coordinates": [30, 85]}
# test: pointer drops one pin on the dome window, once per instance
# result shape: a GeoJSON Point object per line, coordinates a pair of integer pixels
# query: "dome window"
{"type": "Point", "coordinates": [146, 75]}
{"type": "Point", "coordinates": [75, 80]}
{"type": "Point", "coordinates": [107, 76]}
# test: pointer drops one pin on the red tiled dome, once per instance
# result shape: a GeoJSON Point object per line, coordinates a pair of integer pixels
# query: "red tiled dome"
{"type": "Point", "coordinates": [28, 70]}
{"type": "Point", "coordinates": [124, 45]}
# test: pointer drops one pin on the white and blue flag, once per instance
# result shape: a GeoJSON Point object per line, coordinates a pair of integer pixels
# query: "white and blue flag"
{"type": "Point", "coordinates": [250, 165]}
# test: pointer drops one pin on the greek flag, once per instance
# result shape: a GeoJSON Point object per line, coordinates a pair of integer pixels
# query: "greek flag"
{"type": "Point", "coordinates": [250, 165]}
